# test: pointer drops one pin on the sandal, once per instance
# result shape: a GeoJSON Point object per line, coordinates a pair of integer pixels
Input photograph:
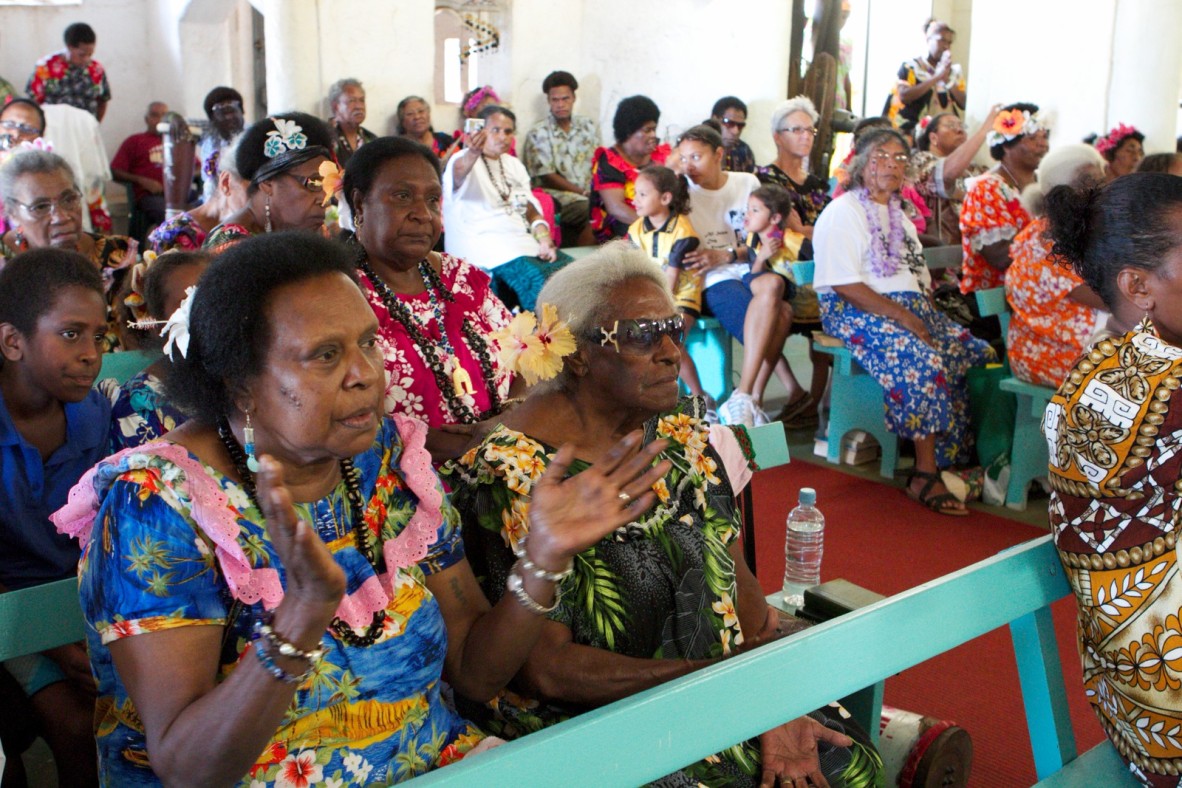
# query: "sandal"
{"type": "Point", "coordinates": [937, 503]}
{"type": "Point", "coordinates": [802, 412]}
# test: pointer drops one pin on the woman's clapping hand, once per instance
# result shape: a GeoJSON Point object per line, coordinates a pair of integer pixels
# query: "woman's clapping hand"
{"type": "Point", "coordinates": [567, 516]}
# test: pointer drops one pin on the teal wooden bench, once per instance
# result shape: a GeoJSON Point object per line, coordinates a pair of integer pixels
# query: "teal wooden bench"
{"type": "Point", "coordinates": [651, 734]}
{"type": "Point", "coordinates": [125, 364]}
{"type": "Point", "coordinates": [40, 618]}
{"type": "Point", "coordinates": [1030, 455]}
{"type": "Point", "coordinates": [713, 352]}
{"type": "Point", "coordinates": [855, 398]}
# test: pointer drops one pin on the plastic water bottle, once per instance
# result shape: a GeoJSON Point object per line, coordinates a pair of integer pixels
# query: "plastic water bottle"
{"type": "Point", "coordinates": [802, 548]}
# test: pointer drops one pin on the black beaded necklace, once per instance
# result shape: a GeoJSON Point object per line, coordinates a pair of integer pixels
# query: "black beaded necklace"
{"type": "Point", "coordinates": [429, 350]}
{"type": "Point", "coordinates": [365, 546]}
{"type": "Point", "coordinates": [508, 191]}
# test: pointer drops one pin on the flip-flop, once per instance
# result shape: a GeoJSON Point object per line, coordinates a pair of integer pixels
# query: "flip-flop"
{"type": "Point", "coordinates": [937, 503]}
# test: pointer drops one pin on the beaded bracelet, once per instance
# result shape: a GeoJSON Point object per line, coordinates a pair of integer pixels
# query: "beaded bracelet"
{"type": "Point", "coordinates": [517, 588]}
{"type": "Point", "coordinates": [537, 571]}
{"type": "Point", "coordinates": [285, 647]}
{"type": "Point", "coordinates": [268, 663]}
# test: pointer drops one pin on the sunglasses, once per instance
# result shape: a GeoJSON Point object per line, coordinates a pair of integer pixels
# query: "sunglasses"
{"type": "Point", "coordinates": [640, 336]}
{"type": "Point", "coordinates": [311, 183]}
{"type": "Point", "coordinates": [738, 124]}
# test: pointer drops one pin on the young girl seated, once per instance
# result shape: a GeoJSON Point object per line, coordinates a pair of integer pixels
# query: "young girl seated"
{"type": "Point", "coordinates": [664, 232]}
{"type": "Point", "coordinates": [773, 248]}
{"type": "Point", "coordinates": [139, 411]}
{"type": "Point", "coordinates": [53, 428]}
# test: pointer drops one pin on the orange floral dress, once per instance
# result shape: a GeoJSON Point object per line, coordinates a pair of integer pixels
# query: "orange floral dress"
{"type": "Point", "coordinates": [991, 212]}
{"type": "Point", "coordinates": [1047, 329]}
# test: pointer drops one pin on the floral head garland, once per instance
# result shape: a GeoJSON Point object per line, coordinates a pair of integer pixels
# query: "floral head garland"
{"type": "Point", "coordinates": [286, 146]}
{"type": "Point", "coordinates": [1011, 124]}
{"type": "Point", "coordinates": [1112, 140]}
{"type": "Point", "coordinates": [482, 93]}
{"type": "Point", "coordinates": [176, 328]}
{"type": "Point", "coordinates": [532, 349]}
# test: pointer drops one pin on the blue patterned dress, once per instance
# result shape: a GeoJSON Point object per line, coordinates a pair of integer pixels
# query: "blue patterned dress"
{"type": "Point", "coordinates": [155, 560]}
{"type": "Point", "coordinates": [139, 411]}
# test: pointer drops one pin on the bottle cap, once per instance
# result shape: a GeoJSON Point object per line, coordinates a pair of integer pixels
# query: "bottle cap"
{"type": "Point", "coordinates": [808, 496]}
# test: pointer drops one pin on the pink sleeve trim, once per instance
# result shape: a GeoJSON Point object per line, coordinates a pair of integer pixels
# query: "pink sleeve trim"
{"type": "Point", "coordinates": [218, 520]}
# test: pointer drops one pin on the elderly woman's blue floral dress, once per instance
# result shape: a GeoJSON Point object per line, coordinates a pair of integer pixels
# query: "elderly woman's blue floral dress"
{"type": "Point", "coordinates": [176, 544]}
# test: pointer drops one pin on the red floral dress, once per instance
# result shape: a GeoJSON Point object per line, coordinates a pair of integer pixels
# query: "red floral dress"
{"type": "Point", "coordinates": [610, 170]}
{"type": "Point", "coordinates": [1048, 330]}
{"type": "Point", "coordinates": [991, 212]}
{"type": "Point", "coordinates": [410, 384]}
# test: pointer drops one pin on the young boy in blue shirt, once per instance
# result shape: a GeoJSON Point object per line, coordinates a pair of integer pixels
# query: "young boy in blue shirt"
{"type": "Point", "coordinates": [53, 428]}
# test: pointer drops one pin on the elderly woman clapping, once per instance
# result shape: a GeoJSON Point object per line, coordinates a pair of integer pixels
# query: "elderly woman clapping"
{"type": "Point", "coordinates": [875, 296]}
{"type": "Point", "coordinates": [275, 591]}
{"type": "Point", "coordinates": [668, 592]}
{"type": "Point", "coordinates": [287, 160]}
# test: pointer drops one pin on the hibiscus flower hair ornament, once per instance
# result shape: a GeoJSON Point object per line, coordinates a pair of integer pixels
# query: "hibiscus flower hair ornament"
{"type": "Point", "coordinates": [176, 329]}
{"type": "Point", "coordinates": [287, 135]}
{"type": "Point", "coordinates": [1011, 124]}
{"type": "Point", "coordinates": [534, 349]}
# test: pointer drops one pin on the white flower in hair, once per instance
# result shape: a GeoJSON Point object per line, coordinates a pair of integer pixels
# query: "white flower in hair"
{"type": "Point", "coordinates": [288, 135]}
{"type": "Point", "coordinates": [176, 330]}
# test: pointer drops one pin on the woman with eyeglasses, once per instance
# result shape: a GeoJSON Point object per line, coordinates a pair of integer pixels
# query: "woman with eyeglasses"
{"type": "Point", "coordinates": [794, 129]}
{"type": "Point", "coordinates": [287, 160]}
{"type": "Point", "coordinates": [943, 162]}
{"type": "Point", "coordinates": [668, 592]}
{"type": "Point", "coordinates": [43, 205]}
{"type": "Point", "coordinates": [875, 292]}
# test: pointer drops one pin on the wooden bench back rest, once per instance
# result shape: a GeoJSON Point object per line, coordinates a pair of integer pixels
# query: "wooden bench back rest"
{"type": "Point", "coordinates": [663, 729]}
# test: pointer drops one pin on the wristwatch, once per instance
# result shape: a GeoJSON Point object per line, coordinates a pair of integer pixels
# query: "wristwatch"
{"type": "Point", "coordinates": [734, 255]}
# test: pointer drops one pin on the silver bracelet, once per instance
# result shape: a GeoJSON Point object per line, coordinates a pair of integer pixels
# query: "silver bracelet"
{"type": "Point", "coordinates": [515, 585]}
{"type": "Point", "coordinates": [537, 571]}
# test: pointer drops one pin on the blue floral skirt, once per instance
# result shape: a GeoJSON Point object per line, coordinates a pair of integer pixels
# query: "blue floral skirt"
{"type": "Point", "coordinates": [925, 392]}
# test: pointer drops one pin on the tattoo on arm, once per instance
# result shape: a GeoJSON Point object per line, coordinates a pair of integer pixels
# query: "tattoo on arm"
{"type": "Point", "coordinates": [457, 591]}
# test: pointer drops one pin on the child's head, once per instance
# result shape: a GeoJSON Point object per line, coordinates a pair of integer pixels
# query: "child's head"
{"type": "Point", "coordinates": [660, 190]}
{"type": "Point", "coordinates": [767, 207]}
{"type": "Point", "coordinates": [52, 321]}
{"type": "Point", "coordinates": [164, 285]}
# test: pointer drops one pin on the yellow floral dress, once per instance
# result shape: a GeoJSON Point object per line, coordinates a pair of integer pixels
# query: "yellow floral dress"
{"type": "Point", "coordinates": [1114, 432]}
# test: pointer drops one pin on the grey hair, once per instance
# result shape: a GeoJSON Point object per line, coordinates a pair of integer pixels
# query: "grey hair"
{"type": "Point", "coordinates": [31, 162]}
{"type": "Point", "coordinates": [338, 89]}
{"type": "Point", "coordinates": [867, 144]}
{"type": "Point", "coordinates": [796, 104]}
{"type": "Point", "coordinates": [581, 292]}
{"type": "Point", "coordinates": [228, 158]}
{"type": "Point", "coordinates": [1060, 167]}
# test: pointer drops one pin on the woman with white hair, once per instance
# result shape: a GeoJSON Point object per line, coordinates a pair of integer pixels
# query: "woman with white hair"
{"type": "Point", "coordinates": [875, 292]}
{"type": "Point", "coordinates": [794, 129]}
{"type": "Point", "coordinates": [1055, 314]}
{"type": "Point", "coordinates": [665, 594]}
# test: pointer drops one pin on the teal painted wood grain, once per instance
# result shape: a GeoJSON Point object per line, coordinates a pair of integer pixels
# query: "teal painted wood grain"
{"type": "Point", "coordinates": [660, 730]}
{"type": "Point", "coordinates": [39, 618]}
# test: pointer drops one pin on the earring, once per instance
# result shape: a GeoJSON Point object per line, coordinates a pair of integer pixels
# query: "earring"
{"type": "Point", "coordinates": [19, 237]}
{"type": "Point", "coordinates": [252, 462]}
{"type": "Point", "coordinates": [267, 211]}
{"type": "Point", "coordinates": [358, 220]}
{"type": "Point", "coordinates": [1146, 326]}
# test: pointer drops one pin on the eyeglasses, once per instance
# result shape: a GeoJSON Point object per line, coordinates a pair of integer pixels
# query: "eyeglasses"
{"type": "Point", "coordinates": [901, 159]}
{"type": "Point", "coordinates": [310, 183]}
{"type": "Point", "coordinates": [809, 130]}
{"type": "Point", "coordinates": [67, 203]}
{"type": "Point", "coordinates": [738, 124]}
{"type": "Point", "coordinates": [19, 128]}
{"type": "Point", "coordinates": [637, 337]}
{"type": "Point", "coordinates": [227, 106]}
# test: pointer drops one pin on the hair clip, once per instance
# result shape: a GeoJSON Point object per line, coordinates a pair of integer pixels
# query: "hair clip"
{"type": "Point", "coordinates": [144, 325]}
{"type": "Point", "coordinates": [288, 135]}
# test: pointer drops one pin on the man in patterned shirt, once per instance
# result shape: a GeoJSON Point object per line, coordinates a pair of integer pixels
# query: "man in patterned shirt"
{"type": "Point", "coordinates": [557, 153]}
{"type": "Point", "coordinates": [72, 77]}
